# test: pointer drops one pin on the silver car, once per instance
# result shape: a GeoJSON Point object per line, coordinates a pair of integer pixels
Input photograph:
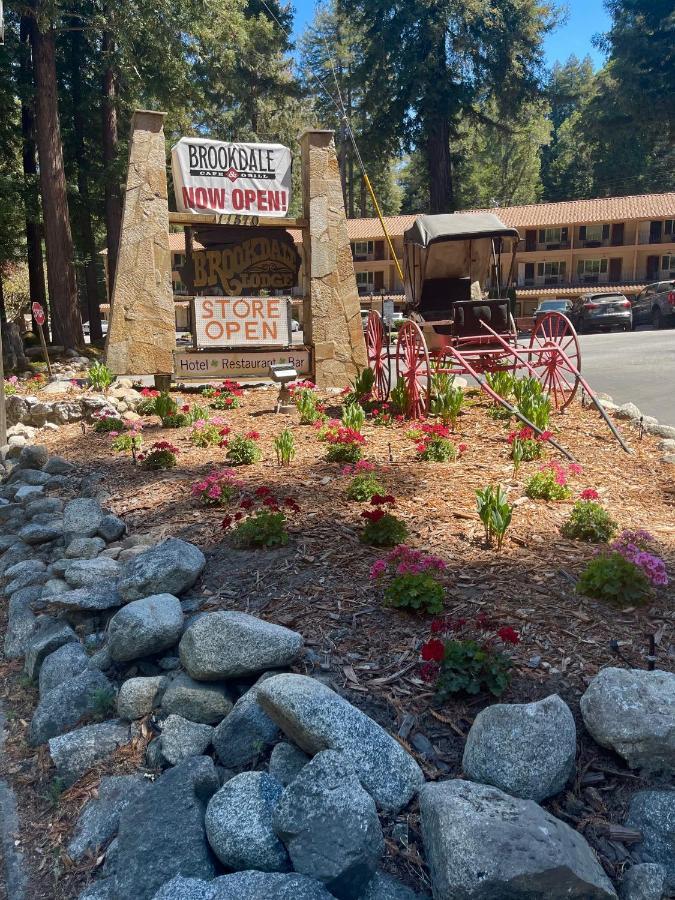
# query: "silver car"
{"type": "Point", "coordinates": [655, 304]}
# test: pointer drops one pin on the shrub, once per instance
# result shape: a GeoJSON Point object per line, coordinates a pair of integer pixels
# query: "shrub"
{"type": "Point", "coordinates": [307, 404]}
{"type": "Point", "coordinates": [165, 406]}
{"type": "Point", "coordinates": [100, 376]}
{"type": "Point", "coordinates": [242, 450]}
{"type": "Point", "coordinates": [284, 445]}
{"type": "Point", "coordinates": [446, 399]}
{"type": "Point", "coordinates": [550, 482]}
{"type": "Point", "coordinates": [344, 445]}
{"type": "Point", "coordinates": [261, 522]}
{"type": "Point", "coordinates": [590, 522]}
{"type": "Point", "coordinates": [399, 397]}
{"type": "Point", "coordinates": [227, 396]}
{"type": "Point", "coordinates": [131, 441]}
{"type": "Point", "coordinates": [147, 405]}
{"type": "Point", "coordinates": [634, 546]}
{"type": "Point", "coordinates": [526, 445]}
{"type": "Point", "coordinates": [436, 445]}
{"type": "Point", "coordinates": [468, 656]}
{"type": "Point", "coordinates": [218, 488]}
{"type": "Point", "coordinates": [495, 513]}
{"type": "Point", "coordinates": [360, 389]}
{"type": "Point", "coordinates": [208, 432]}
{"type": "Point", "coordinates": [501, 382]}
{"type": "Point", "coordinates": [364, 486]}
{"type": "Point", "coordinates": [161, 455]}
{"type": "Point", "coordinates": [106, 424]}
{"type": "Point", "coordinates": [178, 420]}
{"type": "Point", "coordinates": [353, 415]}
{"type": "Point", "coordinates": [413, 585]}
{"type": "Point", "coordinates": [383, 529]}
{"type": "Point", "coordinates": [382, 415]}
{"type": "Point", "coordinates": [614, 579]}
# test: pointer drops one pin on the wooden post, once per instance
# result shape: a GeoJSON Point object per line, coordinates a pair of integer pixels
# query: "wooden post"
{"type": "Point", "coordinates": [3, 410]}
{"type": "Point", "coordinates": [41, 332]}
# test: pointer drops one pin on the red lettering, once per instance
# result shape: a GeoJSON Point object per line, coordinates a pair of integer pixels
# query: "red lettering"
{"type": "Point", "coordinates": [214, 330]}
{"type": "Point", "coordinates": [216, 198]}
{"type": "Point", "coordinates": [201, 198]}
{"type": "Point", "coordinates": [269, 329]}
{"type": "Point", "coordinates": [274, 201]}
{"type": "Point", "coordinates": [249, 198]}
{"type": "Point", "coordinates": [284, 202]}
{"type": "Point", "coordinates": [251, 333]}
{"type": "Point", "coordinates": [238, 198]}
{"type": "Point", "coordinates": [262, 200]}
{"type": "Point", "coordinates": [232, 328]}
{"type": "Point", "coordinates": [188, 197]}
{"type": "Point", "coordinates": [207, 309]}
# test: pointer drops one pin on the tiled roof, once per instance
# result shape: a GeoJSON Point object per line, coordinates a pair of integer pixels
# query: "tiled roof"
{"type": "Point", "coordinates": [579, 289]}
{"type": "Point", "coordinates": [540, 215]}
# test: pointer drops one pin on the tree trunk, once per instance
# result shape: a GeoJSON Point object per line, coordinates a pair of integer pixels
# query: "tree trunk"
{"type": "Point", "coordinates": [439, 168]}
{"type": "Point", "coordinates": [3, 312]}
{"type": "Point", "coordinates": [113, 203]}
{"type": "Point", "coordinates": [66, 322]}
{"type": "Point", "coordinates": [36, 271]}
{"type": "Point", "coordinates": [84, 206]}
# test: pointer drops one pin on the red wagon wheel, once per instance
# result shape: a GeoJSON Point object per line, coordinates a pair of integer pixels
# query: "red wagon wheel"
{"type": "Point", "coordinates": [412, 365]}
{"type": "Point", "coordinates": [378, 355]}
{"type": "Point", "coordinates": [557, 357]}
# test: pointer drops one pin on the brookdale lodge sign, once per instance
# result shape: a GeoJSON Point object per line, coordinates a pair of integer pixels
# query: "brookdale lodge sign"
{"type": "Point", "coordinates": [218, 177]}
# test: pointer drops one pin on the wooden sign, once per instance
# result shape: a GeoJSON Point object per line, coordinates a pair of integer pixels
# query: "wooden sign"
{"type": "Point", "coordinates": [241, 322]}
{"type": "Point", "coordinates": [238, 364]}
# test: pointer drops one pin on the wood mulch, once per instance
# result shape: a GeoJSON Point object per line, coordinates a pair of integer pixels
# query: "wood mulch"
{"type": "Point", "coordinates": [319, 585]}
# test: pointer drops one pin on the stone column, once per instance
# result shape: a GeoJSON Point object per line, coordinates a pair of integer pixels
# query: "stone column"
{"type": "Point", "coordinates": [142, 331]}
{"type": "Point", "coordinates": [334, 329]}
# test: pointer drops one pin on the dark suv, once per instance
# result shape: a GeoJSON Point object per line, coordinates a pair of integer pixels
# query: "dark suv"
{"type": "Point", "coordinates": [655, 304]}
{"type": "Point", "coordinates": [604, 311]}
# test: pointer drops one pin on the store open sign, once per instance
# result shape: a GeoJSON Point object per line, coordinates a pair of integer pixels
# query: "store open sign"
{"type": "Point", "coordinates": [241, 322]}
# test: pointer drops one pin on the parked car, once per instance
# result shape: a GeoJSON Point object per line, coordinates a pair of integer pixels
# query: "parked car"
{"type": "Point", "coordinates": [566, 307]}
{"type": "Point", "coordinates": [655, 304]}
{"type": "Point", "coordinates": [604, 311]}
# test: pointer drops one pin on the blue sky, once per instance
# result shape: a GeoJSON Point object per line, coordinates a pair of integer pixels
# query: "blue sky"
{"type": "Point", "coordinates": [585, 18]}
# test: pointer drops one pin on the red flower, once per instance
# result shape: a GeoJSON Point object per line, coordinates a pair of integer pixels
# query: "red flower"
{"type": "Point", "coordinates": [589, 494]}
{"type": "Point", "coordinates": [246, 503]}
{"type": "Point", "coordinates": [382, 499]}
{"type": "Point", "coordinates": [262, 491]}
{"type": "Point", "coordinates": [185, 408]}
{"type": "Point", "coordinates": [373, 515]}
{"type": "Point", "coordinates": [428, 671]}
{"type": "Point", "coordinates": [227, 521]}
{"type": "Point", "coordinates": [224, 431]}
{"type": "Point", "coordinates": [270, 501]}
{"type": "Point", "coordinates": [483, 620]}
{"type": "Point", "coordinates": [545, 436]}
{"type": "Point", "coordinates": [463, 448]}
{"type": "Point", "coordinates": [437, 626]}
{"type": "Point", "coordinates": [508, 635]}
{"type": "Point", "coordinates": [433, 650]}
{"type": "Point", "coordinates": [238, 516]}
{"type": "Point", "coordinates": [253, 435]}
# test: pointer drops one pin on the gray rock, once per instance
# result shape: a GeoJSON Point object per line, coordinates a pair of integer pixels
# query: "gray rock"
{"type": "Point", "coordinates": [29, 491]}
{"type": "Point", "coordinates": [181, 739]}
{"type": "Point", "coordinates": [170, 567]}
{"type": "Point", "coordinates": [24, 567]}
{"type": "Point", "coordinates": [57, 465]}
{"type": "Point", "coordinates": [75, 753]}
{"type": "Point", "coordinates": [45, 641]}
{"type": "Point", "coordinates": [154, 758]}
{"type": "Point", "coordinates": [111, 528]}
{"type": "Point", "coordinates": [526, 749]}
{"type": "Point", "coordinates": [94, 598]}
{"type": "Point", "coordinates": [644, 881]}
{"type": "Point", "coordinates": [667, 445]}
{"type": "Point", "coordinates": [82, 517]}
{"type": "Point", "coordinates": [16, 553]}
{"type": "Point", "coordinates": [481, 843]}
{"type": "Point", "coordinates": [61, 665]}
{"type": "Point", "coordinates": [144, 627]}
{"type": "Point", "coordinates": [627, 411]}
{"type": "Point", "coordinates": [653, 813]}
{"type": "Point", "coordinates": [245, 732]}
{"type": "Point", "coordinates": [86, 572]}
{"type": "Point", "coordinates": [63, 707]}
{"type": "Point", "coordinates": [198, 701]}
{"type": "Point", "coordinates": [139, 696]}
{"type": "Point", "coordinates": [663, 431]}
{"type": "Point", "coordinates": [286, 762]}
{"type": "Point", "coordinates": [34, 457]}
{"type": "Point", "coordinates": [239, 824]}
{"type": "Point", "coordinates": [669, 458]}
{"type": "Point", "coordinates": [632, 712]}
{"type": "Point", "coordinates": [28, 476]}
{"type": "Point", "coordinates": [45, 506]}
{"type": "Point", "coordinates": [21, 622]}
{"type": "Point", "coordinates": [384, 887]}
{"type": "Point", "coordinates": [55, 586]}
{"type": "Point", "coordinates": [99, 820]}
{"type": "Point", "coordinates": [230, 644]}
{"type": "Point", "coordinates": [316, 718]}
{"type": "Point", "coordinates": [103, 889]}
{"type": "Point", "coordinates": [84, 548]}
{"type": "Point", "coordinates": [172, 840]}
{"type": "Point", "coordinates": [245, 886]}
{"type": "Point", "coordinates": [35, 533]}
{"type": "Point", "coordinates": [330, 827]}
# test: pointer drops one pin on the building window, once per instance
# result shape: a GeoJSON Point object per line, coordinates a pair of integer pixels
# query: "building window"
{"type": "Point", "coordinates": [365, 281]}
{"type": "Point", "coordinates": [551, 268]}
{"type": "Point", "coordinates": [594, 232]}
{"type": "Point", "coordinates": [668, 265]}
{"type": "Point", "coordinates": [552, 235]}
{"type": "Point", "coordinates": [178, 286]}
{"type": "Point", "coordinates": [668, 226]}
{"type": "Point", "coordinates": [363, 249]}
{"type": "Point", "coordinates": [591, 266]}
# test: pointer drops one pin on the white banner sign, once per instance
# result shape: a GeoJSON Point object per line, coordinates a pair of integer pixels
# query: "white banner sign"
{"type": "Point", "coordinates": [241, 322]}
{"type": "Point", "coordinates": [247, 179]}
{"type": "Point", "coordinates": [238, 364]}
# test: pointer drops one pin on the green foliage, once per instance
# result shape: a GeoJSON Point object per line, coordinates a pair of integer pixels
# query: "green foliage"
{"type": "Point", "coordinates": [56, 787]}
{"type": "Point", "coordinates": [361, 387]}
{"type": "Point", "coordinates": [178, 420]}
{"type": "Point", "coordinates": [388, 531]}
{"type": "Point", "coordinates": [344, 453]}
{"type": "Point", "coordinates": [165, 405]}
{"type": "Point", "coordinates": [364, 486]}
{"type": "Point", "coordinates": [589, 522]}
{"type": "Point", "coordinates": [418, 591]}
{"type": "Point", "coordinates": [306, 402]}
{"type": "Point", "coordinates": [614, 579]}
{"type": "Point", "coordinates": [205, 434]}
{"type": "Point", "coordinates": [109, 423]}
{"type": "Point", "coordinates": [265, 529]}
{"type": "Point", "coordinates": [495, 513]}
{"type": "Point", "coordinates": [129, 442]}
{"type": "Point", "coordinates": [242, 451]}
{"type": "Point", "coordinates": [543, 486]}
{"type": "Point", "coordinates": [537, 409]}
{"type": "Point", "coordinates": [197, 412]}
{"type": "Point", "coordinates": [353, 415]}
{"type": "Point", "coordinates": [399, 397]}
{"type": "Point", "coordinates": [446, 399]}
{"type": "Point", "coordinates": [146, 407]}
{"type": "Point", "coordinates": [471, 667]}
{"type": "Point", "coordinates": [100, 376]}
{"type": "Point", "coordinates": [103, 703]}
{"type": "Point", "coordinates": [284, 445]}
{"type": "Point", "coordinates": [437, 449]}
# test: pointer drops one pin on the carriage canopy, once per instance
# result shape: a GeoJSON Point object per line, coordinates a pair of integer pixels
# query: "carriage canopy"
{"type": "Point", "coordinates": [451, 247]}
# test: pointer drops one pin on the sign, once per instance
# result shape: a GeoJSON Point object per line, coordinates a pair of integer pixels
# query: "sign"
{"type": "Point", "coordinates": [388, 311]}
{"type": "Point", "coordinates": [38, 313]}
{"type": "Point", "coordinates": [215, 177]}
{"type": "Point", "coordinates": [268, 261]}
{"type": "Point", "coordinates": [241, 322]}
{"type": "Point", "coordinates": [238, 364]}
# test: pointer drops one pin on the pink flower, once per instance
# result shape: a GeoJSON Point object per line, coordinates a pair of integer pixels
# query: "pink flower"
{"type": "Point", "coordinates": [463, 448]}
{"type": "Point", "coordinates": [378, 569]}
{"type": "Point", "coordinates": [589, 494]}
{"type": "Point", "coordinates": [575, 469]}
{"type": "Point", "coordinates": [114, 434]}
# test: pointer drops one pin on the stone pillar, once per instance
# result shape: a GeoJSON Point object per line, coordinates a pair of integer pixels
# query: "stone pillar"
{"type": "Point", "coordinates": [334, 328]}
{"type": "Point", "coordinates": [142, 331]}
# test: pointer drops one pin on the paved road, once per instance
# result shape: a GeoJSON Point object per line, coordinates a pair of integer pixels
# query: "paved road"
{"type": "Point", "coordinates": [637, 366]}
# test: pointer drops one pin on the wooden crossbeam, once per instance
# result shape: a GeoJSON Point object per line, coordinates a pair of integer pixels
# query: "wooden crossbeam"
{"type": "Point", "coordinates": [187, 218]}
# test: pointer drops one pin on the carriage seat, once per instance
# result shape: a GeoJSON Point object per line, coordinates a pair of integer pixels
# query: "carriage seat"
{"type": "Point", "coordinates": [439, 295]}
{"type": "Point", "coordinates": [469, 314]}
